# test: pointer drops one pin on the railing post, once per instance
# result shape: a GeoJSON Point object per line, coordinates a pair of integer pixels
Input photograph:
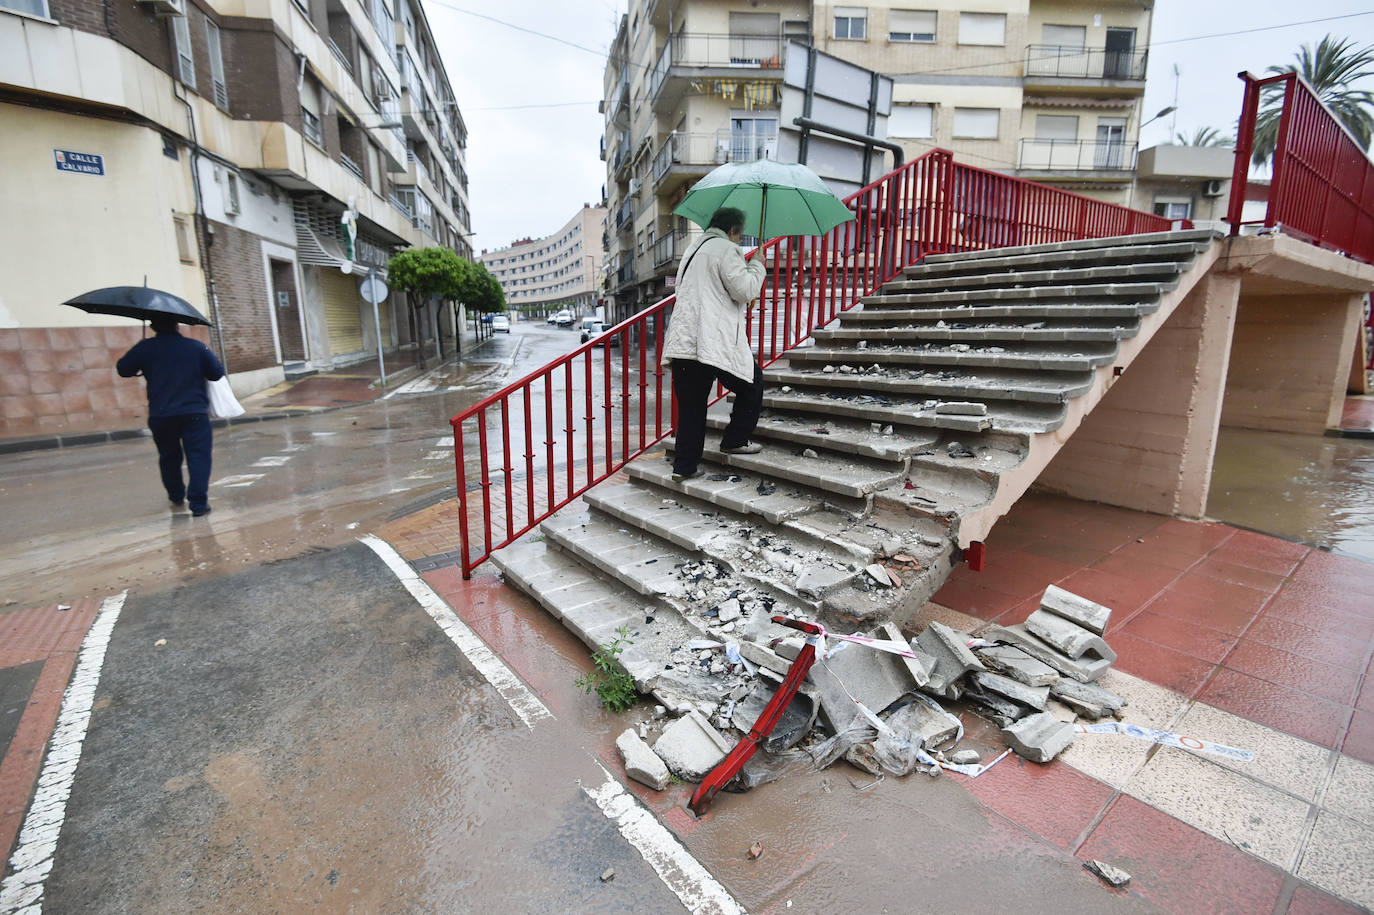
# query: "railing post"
{"type": "Point", "coordinates": [1280, 160]}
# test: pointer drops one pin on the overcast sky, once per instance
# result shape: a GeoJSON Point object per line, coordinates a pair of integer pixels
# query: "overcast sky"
{"type": "Point", "coordinates": [532, 168]}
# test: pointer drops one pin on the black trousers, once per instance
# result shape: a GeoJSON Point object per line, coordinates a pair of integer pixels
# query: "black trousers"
{"type": "Point", "coordinates": [190, 438]}
{"type": "Point", "coordinates": [693, 383]}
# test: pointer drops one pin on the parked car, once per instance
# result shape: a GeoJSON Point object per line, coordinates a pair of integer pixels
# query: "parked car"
{"type": "Point", "coordinates": [592, 328]}
{"type": "Point", "coordinates": [562, 318]}
{"type": "Point", "coordinates": [500, 323]}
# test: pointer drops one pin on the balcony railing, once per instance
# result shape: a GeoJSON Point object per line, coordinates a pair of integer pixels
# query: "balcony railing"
{"type": "Point", "coordinates": [419, 164]}
{"type": "Point", "coordinates": [698, 49]}
{"type": "Point", "coordinates": [536, 445]}
{"type": "Point", "coordinates": [1077, 155]}
{"type": "Point", "coordinates": [624, 215]}
{"type": "Point", "coordinates": [712, 149]}
{"type": "Point", "coordinates": [1069, 62]}
{"type": "Point", "coordinates": [665, 249]}
{"type": "Point", "coordinates": [401, 205]}
{"type": "Point", "coordinates": [352, 166]}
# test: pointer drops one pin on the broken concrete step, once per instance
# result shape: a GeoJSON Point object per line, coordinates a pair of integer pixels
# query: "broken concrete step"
{"type": "Point", "coordinates": [1040, 737]}
{"type": "Point", "coordinates": [879, 534]}
{"type": "Point", "coordinates": [846, 476]}
{"type": "Point", "coordinates": [641, 763]}
{"type": "Point", "coordinates": [875, 678]}
{"type": "Point", "coordinates": [1031, 696]}
{"type": "Point", "coordinates": [984, 385]}
{"type": "Point", "coordinates": [993, 455]}
{"type": "Point", "coordinates": [921, 724]}
{"type": "Point", "coordinates": [887, 410]}
{"type": "Point", "coordinates": [1070, 638]}
{"type": "Point", "coordinates": [1108, 273]}
{"type": "Point", "coordinates": [878, 312]}
{"type": "Point", "coordinates": [838, 434]}
{"type": "Point", "coordinates": [1018, 665]}
{"type": "Point", "coordinates": [1067, 358]}
{"type": "Point", "coordinates": [1084, 671]}
{"type": "Point", "coordinates": [994, 261]}
{"type": "Point", "coordinates": [1143, 240]}
{"type": "Point", "coordinates": [1126, 291]}
{"type": "Point", "coordinates": [637, 560]}
{"type": "Point", "coordinates": [985, 333]}
{"type": "Point", "coordinates": [690, 747]}
{"type": "Point", "coordinates": [594, 609]}
{"type": "Point", "coordinates": [1086, 613]}
{"type": "Point", "coordinates": [745, 493]}
{"type": "Point", "coordinates": [952, 656]}
{"type": "Point", "coordinates": [1089, 698]}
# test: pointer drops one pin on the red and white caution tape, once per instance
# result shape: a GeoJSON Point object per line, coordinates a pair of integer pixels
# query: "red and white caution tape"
{"type": "Point", "coordinates": [1168, 738]}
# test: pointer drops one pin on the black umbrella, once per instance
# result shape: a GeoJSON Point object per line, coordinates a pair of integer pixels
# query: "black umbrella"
{"type": "Point", "coordinates": [138, 302]}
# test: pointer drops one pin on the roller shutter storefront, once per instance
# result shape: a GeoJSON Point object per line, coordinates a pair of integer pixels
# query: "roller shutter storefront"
{"type": "Point", "coordinates": [342, 311]}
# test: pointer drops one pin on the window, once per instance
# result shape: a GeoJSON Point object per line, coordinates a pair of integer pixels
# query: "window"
{"type": "Point", "coordinates": [182, 226]}
{"type": "Point", "coordinates": [383, 21]}
{"type": "Point", "coordinates": [212, 42]}
{"type": "Point", "coordinates": [754, 39]}
{"type": "Point", "coordinates": [752, 137]}
{"type": "Point", "coordinates": [1111, 144]}
{"type": "Point", "coordinates": [851, 22]}
{"type": "Point", "coordinates": [983, 28]}
{"type": "Point", "coordinates": [32, 7]}
{"type": "Point", "coordinates": [310, 111]}
{"type": "Point", "coordinates": [1064, 37]}
{"type": "Point", "coordinates": [186, 63]}
{"type": "Point", "coordinates": [911, 121]}
{"type": "Point", "coordinates": [976, 123]}
{"type": "Point", "coordinates": [1056, 127]}
{"type": "Point", "coordinates": [911, 25]}
{"type": "Point", "coordinates": [231, 194]}
{"type": "Point", "coordinates": [1174, 207]}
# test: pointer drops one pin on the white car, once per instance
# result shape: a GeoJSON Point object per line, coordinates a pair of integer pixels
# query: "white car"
{"type": "Point", "coordinates": [562, 318]}
{"type": "Point", "coordinates": [500, 323]}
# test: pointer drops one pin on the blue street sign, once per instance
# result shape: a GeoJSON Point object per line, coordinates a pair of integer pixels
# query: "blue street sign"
{"type": "Point", "coordinates": [86, 163]}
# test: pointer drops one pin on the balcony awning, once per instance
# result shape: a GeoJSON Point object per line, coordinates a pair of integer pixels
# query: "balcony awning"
{"type": "Point", "coordinates": [1062, 101]}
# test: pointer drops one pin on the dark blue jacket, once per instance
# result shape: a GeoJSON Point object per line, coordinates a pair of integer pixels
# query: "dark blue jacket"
{"type": "Point", "coordinates": [176, 369]}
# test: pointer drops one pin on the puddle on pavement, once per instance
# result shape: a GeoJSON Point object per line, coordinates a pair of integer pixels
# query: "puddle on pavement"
{"type": "Point", "coordinates": [1312, 489]}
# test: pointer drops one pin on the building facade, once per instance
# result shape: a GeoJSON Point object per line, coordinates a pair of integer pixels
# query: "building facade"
{"type": "Point", "coordinates": [1047, 90]}
{"type": "Point", "coordinates": [255, 158]}
{"type": "Point", "coordinates": [562, 270]}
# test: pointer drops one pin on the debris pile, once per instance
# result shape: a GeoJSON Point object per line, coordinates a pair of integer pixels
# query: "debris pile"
{"type": "Point", "coordinates": [876, 700]}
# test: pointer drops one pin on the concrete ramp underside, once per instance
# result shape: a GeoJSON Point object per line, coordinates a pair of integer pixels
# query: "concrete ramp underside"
{"type": "Point", "coordinates": [891, 440]}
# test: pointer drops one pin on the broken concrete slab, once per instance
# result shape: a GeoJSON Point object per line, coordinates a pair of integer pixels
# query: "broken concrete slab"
{"type": "Point", "coordinates": [921, 725]}
{"type": "Point", "coordinates": [1015, 663]}
{"type": "Point", "coordinates": [1033, 696]}
{"type": "Point", "coordinates": [1001, 709]}
{"type": "Point", "coordinates": [952, 656]}
{"type": "Point", "coordinates": [1084, 671]}
{"type": "Point", "coordinates": [961, 408]}
{"type": "Point", "coordinates": [1040, 737]}
{"type": "Point", "coordinates": [1088, 614]}
{"type": "Point", "coordinates": [965, 757]}
{"type": "Point", "coordinates": [794, 723]}
{"type": "Point", "coordinates": [1113, 875]}
{"type": "Point", "coordinates": [875, 678]}
{"type": "Point", "coordinates": [1092, 700]}
{"type": "Point", "coordinates": [690, 747]}
{"type": "Point", "coordinates": [920, 666]}
{"type": "Point", "coordinates": [817, 582]}
{"type": "Point", "coordinates": [1070, 638]}
{"type": "Point", "coordinates": [641, 763]}
{"type": "Point", "coordinates": [762, 656]}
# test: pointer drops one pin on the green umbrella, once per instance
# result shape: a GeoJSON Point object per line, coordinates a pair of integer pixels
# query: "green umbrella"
{"type": "Point", "coordinates": [777, 198]}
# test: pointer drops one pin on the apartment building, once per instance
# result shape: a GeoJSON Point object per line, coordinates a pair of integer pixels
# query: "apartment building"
{"type": "Point", "coordinates": [253, 158]}
{"type": "Point", "coordinates": [562, 270]}
{"type": "Point", "coordinates": [1047, 90]}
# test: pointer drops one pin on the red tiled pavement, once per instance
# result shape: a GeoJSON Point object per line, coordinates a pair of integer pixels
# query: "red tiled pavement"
{"type": "Point", "coordinates": [1288, 669]}
{"type": "Point", "coordinates": [1056, 803]}
{"type": "Point", "coordinates": [1358, 413]}
{"type": "Point", "coordinates": [1198, 641]}
{"type": "Point", "coordinates": [1359, 741]}
{"type": "Point", "coordinates": [1309, 900]}
{"type": "Point", "coordinates": [1151, 661]}
{"type": "Point", "coordinates": [1179, 868]}
{"type": "Point", "coordinates": [1301, 714]}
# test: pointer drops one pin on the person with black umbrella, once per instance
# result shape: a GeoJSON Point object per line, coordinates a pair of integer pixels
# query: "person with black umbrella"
{"type": "Point", "coordinates": [176, 369]}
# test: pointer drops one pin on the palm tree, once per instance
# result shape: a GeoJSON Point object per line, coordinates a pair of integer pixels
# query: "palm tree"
{"type": "Point", "coordinates": [1204, 136]}
{"type": "Point", "coordinates": [1331, 70]}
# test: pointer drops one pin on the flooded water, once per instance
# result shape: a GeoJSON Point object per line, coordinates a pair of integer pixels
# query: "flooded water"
{"type": "Point", "coordinates": [1316, 490]}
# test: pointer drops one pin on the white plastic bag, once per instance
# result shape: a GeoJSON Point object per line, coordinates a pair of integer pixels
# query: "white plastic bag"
{"type": "Point", "coordinates": [223, 403]}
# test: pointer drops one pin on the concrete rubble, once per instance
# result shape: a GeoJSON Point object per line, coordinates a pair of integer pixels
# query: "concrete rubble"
{"type": "Point", "coordinates": [641, 763]}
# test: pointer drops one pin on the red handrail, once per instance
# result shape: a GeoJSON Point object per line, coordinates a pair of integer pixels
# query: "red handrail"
{"type": "Point", "coordinates": [930, 205]}
{"type": "Point", "coordinates": [1322, 188]}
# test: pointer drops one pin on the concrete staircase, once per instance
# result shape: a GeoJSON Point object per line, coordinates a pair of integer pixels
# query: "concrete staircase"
{"type": "Point", "coordinates": [893, 437]}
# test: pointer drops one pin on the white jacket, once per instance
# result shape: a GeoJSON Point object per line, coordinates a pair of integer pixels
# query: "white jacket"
{"type": "Point", "coordinates": [714, 287]}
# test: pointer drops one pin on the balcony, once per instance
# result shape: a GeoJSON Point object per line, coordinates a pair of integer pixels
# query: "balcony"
{"type": "Point", "coordinates": [624, 216]}
{"type": "Point", "coordinates": [1076, 68]}
{"type": "Point", "coordinates": [697, 55]}
{"type": "Point", "coordinates": [687, 155]}
{"type": "Point", "coordinates": [665, 249]}
{"type": "Point", "coordinates": [1090, 159]}
{"type": "Point", "coordinates": [352, 166]}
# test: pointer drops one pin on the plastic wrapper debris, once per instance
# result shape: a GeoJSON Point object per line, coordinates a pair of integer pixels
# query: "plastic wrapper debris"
{"type": "Point", "coordinates": [825, 753]}
{"type": "Point", "coordinates": [765, 767]}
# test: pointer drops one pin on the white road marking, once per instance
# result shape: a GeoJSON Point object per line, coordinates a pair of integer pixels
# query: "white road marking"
{"type": "Point", "coordinates": [439, 456]}
{"type": "Point", "coordinates": [324, 433]}
{"type": "Point", "coordinates": [689, 880]}
{"type": "Point", "coordinates": [446, 442]}
{"type": "Point", "coordinates": [31, 862]}
{"type": "Point", "coordinates": [525, 703]}
{"type": "Point", "coordinates": [241, 479]}
{"type": "Point", "coordinates": [272, 460]}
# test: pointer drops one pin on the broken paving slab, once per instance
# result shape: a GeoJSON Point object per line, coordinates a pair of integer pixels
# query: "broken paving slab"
{"type": "Point", "coordinates": [875, 678]}
{"type": "Point", "coordinates": [1040, 737]}
{"type": "Point", "coordinates": [1033, 696]}
{"type": "Point", "coordinates": [1015, 663]}
{"type": "Point", "coordinates": [1070, 638]}
{"type": "Point", "coordinates": [952, 656]}
{"type": "Point", "coordinates": [1092, 700]}
{"type": "Point", "coordinates": [1084, 670]}
{"type": "Point", "coordinates": [919, 723]}
{"type": "Point", "coordinates": [641, 763]}
{"type": "Point", "coordinates": [1088, 614]}
{"type": "Point", "coordinates": [795, 722]}
{"type": "Point", "coordinates": [690, 747]}
{"type": "Point", "coordinates": [920, 666]}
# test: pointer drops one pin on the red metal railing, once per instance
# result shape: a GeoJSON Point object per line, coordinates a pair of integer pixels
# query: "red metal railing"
{"type": "Point", "coordinates": [571, 424]}
{"type": "Point", "coordinates": [1322, 189]}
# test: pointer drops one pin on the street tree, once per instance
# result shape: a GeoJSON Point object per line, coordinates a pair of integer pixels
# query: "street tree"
{"type": "Point", "coordinates": [1332, 69]}
{"type": "Point", "coordinates": [1204, 136]}
{"type": "Point", "coordinates": [426, 273]}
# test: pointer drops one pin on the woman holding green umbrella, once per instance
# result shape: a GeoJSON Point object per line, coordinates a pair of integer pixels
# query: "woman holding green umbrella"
{"type": "Point", "coordinates": [706, 342]}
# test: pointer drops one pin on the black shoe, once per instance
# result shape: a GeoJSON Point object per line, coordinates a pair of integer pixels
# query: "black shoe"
{"type": "Point", "coordinates": [198, 512]}
{"type": "Point", "coordinates": [177, 503]}
{"type": "Point", "coordinates": [746, 448]}
{"type": "Point", "coordinates": [680, 477]}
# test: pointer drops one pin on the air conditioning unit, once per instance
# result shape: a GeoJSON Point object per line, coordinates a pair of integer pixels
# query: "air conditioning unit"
{"type": "Point", "coordinates": [1212, 188]}
{"type": "Point", "coordinates": [634, 186]}
{"type": "Point", "coordinates": [165, 7]}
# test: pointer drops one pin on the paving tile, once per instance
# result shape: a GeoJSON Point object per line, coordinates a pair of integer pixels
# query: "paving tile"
{"type": "Point", "coordinates": [1359, 741]}
{"type": "Point", "coordinates": [1288, 669]}
{"type": "Point", "coordinates": [1159, 551]}
{"type": "Point", "coordinates": [1270, 563]}
{"type": "Point", "coordinates": [1254, 544]}
{"type": "Point", "coordinates": [1200, 610]}
{"type": "Point", "coordinates": [1138, 569]}
{"type": "Point", "coordinates": [1114, 758]}
{"type": "Point", "coordinates": [1180, 635]}
{"type": "Point", "coordinates": [1320, 566]}
{"type": "Point", "coordinates": [1291, 605]}
{"type": "Point", "coordinates": [970, 598]}
{"type": "Point", "coordinates": [1123, 595]}
{"type": "Point", "coordinates": [1175, 670]}
{"type": "Point", "coordinates": [1255, 817]}
{"type": "Point", "coordinates": [1221, 593]}
{"type": "Point", "coordinates": [1055, 802]}
{"type": "Point", "coordinates": [1019, 613]}
{"type": "Point", "coordinates": [1179, 868]}
{"type": "Point", "coordinates": [1198, 536]}
{"type": "Point", "coordinates": [1222, 570]}
{"type": "Point", "coordinates": [1338, 858]}
{"type": "Point", "coordinates": [1073, 553]}
{"type": "Point", "coordinates": [1327, 647]}
{"type": "Point", "coordinates": [1309, 900]}
{"type": "Point", "coordinates": [1351, 598]}
{"type": "Point", "coordinates": [1022, 574]}
{"type": "Point", "coordinates": [1281, 760]}
{"type": "Point", "coordinates": [1351, 791]}
{"type": "Point", "coordinates": [1292, 711]}
{"type": "Point", "coordinates": [1366, 700]}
